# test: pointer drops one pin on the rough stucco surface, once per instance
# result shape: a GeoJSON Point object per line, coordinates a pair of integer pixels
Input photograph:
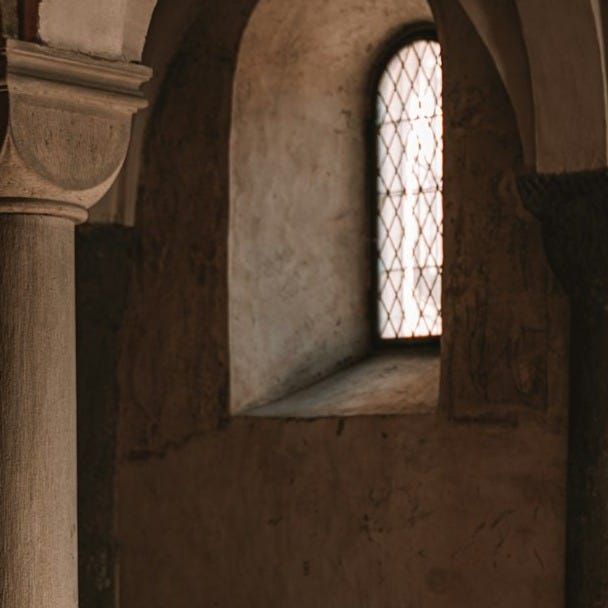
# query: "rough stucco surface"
{"type": "Point", "coordinates": [388, 512]}
{"type": "Point", "coordinates": [504, 346]}
{"type": "Point", "coordinates": [299, 213]}
{"type": "Point", "coordinates": [500, 29]}
{"type": "Point", "coordinates": [373, 512]}
{"type": "Point", "coordinates": [570, 92]}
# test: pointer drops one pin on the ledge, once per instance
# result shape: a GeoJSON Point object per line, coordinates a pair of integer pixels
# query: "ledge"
{"type": "Point", "coordinates": [77, 80]}
{"type": "Point", "coordinates": [389, 383]}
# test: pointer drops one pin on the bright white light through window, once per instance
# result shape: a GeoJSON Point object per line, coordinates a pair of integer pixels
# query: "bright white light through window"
{"type": "Point", "coordinates": [409, 131]}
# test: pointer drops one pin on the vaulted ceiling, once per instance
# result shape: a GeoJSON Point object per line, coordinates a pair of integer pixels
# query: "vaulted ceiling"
{"type": "Point", "coordinates": [549, 53]}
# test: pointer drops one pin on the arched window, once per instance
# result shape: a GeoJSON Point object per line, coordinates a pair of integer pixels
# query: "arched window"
{"type": "Point", "coordinates": [408, 210]}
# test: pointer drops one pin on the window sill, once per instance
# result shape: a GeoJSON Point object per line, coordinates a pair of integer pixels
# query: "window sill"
{"type": "Point", "coordinates": [388, 383]}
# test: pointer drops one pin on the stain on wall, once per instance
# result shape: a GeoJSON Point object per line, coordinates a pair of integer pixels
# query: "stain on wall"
{"type": "Point", "coordinates": [411, 511]}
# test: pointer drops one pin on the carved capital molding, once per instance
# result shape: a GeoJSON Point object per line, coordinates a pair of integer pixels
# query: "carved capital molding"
{"type": "Point", "coordinates": [65, 124]}
{"type": "Point", "coordinates": [573, 211]}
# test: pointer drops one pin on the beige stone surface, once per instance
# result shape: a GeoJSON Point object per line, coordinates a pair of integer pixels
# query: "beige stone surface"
{"type": "Point", "coordinates": [65, 125]}
{"type": "Point", "coordinates": [402, 382]}
{"type": "Point", "coordinates": [37, 413]}
{"type": "Point", "coordinates": [569, 83]}
{"type": "Point", "coordinates": [551, 57]}
{"type": "Point", "coordinates": [299, 214]}
{"type": "Point", "coordinates": [113, 28]}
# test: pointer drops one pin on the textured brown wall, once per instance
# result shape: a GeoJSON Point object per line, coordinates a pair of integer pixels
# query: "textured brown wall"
{"type": "Point", "coordinates": [412, 511]}
{"type": "Point", "coordinates": [503, 348]}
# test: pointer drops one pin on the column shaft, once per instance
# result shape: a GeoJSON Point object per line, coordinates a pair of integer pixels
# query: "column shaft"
{"type": "Point", "coordinates": [587, 506]}
{"type": "Point", "coordinates": [38, 556]}
{"type": "Point", "coordinates": [573, 210]}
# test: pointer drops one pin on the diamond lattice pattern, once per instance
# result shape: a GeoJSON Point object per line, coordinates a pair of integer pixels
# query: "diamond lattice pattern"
{"type": "Point", "coordinates": [409, 133]}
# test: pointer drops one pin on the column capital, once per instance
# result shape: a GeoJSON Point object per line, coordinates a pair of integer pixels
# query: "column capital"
{"type": "Point", "coordinates": [573, 211]}
{"type": "Point", "coordinates": [65, 124]}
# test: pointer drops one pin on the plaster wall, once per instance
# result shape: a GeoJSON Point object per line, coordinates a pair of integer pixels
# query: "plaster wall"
{"type": "Point", "coordinates": [504, 344]}
{"type": "Point", "coordinates": [299, 224]}
{"type": "Point", "coordinates": [379, 512]}
{"type": "Point", "coordinates": [418, 511]}
{"type": "Point", "coordinates": [499, 26]}
{"type": "Point", "coordinates": [112, 28]}
{"type": "Point", "coordinates": [570, 92]}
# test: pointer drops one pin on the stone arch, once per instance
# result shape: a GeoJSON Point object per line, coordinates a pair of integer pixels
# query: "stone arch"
{"type": "Point", "coordinates": [168, 25]}
{"type": "Point", "coordinates": [535, 46]}
{"type": "Point", "coordinates": [564, 42]}
{"type": "Point", "coordinates": [151, 31]}
{"type": "Point", "coordinates": [183, 209]}
{"type": "Point", "coordinates": [551, 57]}
{"type": "Point", "coordinates": [499, 27]}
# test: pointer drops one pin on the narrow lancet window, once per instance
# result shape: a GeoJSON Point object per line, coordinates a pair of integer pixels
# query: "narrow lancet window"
{"type": "Point", "coordinates": [409, 181]}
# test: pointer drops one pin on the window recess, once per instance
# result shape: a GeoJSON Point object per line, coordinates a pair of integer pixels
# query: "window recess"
{"type": "Point", "coordinates": [408, 191]}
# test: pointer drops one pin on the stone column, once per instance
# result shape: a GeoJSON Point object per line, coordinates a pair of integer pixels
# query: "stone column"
{"type": "Point", "coordinates": [573, 210]}
{"type": "Point", "coordinates": [65, 121]}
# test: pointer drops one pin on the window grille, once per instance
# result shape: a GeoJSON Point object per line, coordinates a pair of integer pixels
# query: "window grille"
{"type": "Point", "coordinates": [409, 178]}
